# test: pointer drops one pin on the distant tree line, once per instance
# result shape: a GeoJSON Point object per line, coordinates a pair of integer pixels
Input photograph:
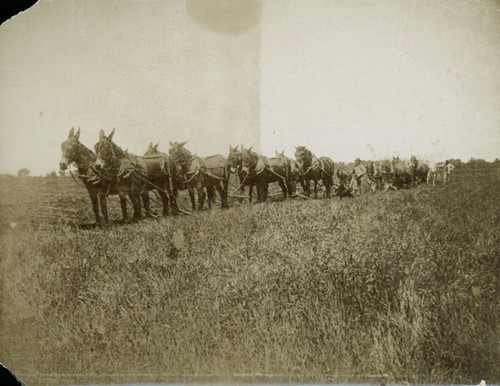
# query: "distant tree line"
{"type": "Point", "coordinates": [475, 163]}
{"type": "Point", "coordinates": [23, 172]}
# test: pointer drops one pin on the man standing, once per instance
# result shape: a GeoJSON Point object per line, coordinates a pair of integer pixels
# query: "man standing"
{"type": "Point", "coordinates": [358, 173]}
{"type": "Point", "coordinates": [432, 173]}
{"type": "Point", "coordinates": [448, 167]}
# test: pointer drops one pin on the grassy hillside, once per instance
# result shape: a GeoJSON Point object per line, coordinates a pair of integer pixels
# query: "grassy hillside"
{"type": "Point", "coordinates": [394, 286]}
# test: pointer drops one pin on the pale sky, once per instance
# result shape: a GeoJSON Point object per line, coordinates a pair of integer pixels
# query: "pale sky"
{"type": "Point", "coordinates": [345, 78]}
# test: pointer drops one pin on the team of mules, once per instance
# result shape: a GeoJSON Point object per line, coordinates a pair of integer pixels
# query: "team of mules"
{"type": "Point", "coordinates": [112, 170]}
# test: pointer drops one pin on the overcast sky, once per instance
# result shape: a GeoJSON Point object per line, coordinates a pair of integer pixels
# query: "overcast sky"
{"type": "Point", "coordinates": [345, 78]}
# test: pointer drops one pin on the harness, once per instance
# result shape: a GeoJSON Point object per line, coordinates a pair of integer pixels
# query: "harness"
{"type": "Point", "coordinates": [135, 170]}
{"type": "Point", "coordinates": [90, 175]}
{"type": "Point", "coordinates": [316, 164]}
{"type": "Point", "coordinates": [198, 166]}
{"type": "Point", "coordinates": [263, 165]}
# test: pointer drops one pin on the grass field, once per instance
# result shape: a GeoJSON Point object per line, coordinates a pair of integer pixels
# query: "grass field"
{"type": "Point", "coordinates": [388, 287]}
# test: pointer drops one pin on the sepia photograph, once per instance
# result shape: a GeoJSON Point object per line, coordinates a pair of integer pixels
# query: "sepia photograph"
{"type": "Point", "coordinates": [250, 191]}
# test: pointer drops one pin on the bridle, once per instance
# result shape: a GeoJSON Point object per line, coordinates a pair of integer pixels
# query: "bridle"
{"type": "Point", "coordinates": [111, 159]}
{"type": "Point", "coordinates": [238, 163]}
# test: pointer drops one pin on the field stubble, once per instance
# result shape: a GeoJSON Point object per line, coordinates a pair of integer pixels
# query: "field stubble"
{"type": "Point", "coordinates": [403, 285]}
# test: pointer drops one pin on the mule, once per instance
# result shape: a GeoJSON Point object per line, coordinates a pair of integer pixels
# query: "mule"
{"type": "Point", "coordinates": [234, 161]}
{"type": "Point", "coordinates": [403, 175]}
{"type": "Point", "coordinates": [315, 169]}
{"type": "Point", "coordinates": [179, 180]}
{"type": "Point", "coordinates": [137, 175]}
{"type": "Point", "coordinates": [262, 171]}
{"type": "Point", "coordinates": [199, 173]}
{"type": "Point", "coordinates": [419, 170]}
{"type": "Point", "coordinates": [388, 173]}
{"type": "Point", "coordinates": [73, 151]}
{"type": "Point", "coordinates": [294, 175]}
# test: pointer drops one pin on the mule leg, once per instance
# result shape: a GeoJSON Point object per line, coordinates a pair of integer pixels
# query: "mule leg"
{"type": "Point", "coordinates": [250, 191]}
{"type": "Point", "coordinates": [328, 186]}
{"type": "Point", "coordinates": [191, 197]}
{"type": "Point", "coordinates": [201, 196]}
{"type": "Point", "coordinates": [291, 188]}
{"type": "Point", "coordinates": [260, 192]}
{"type": "Point", "coordinates": [172, 196]}
{"type": "Point", "coordinates": [164, 200]}
{"type": "Point", "coordinates": [220, 189]}
{"type": "Point", "coordinates": [283, 188]}
{"type": "Point", "coordinates": [95, 207]}
{"type": "Point", "coordinates": [263, 187]}
{"type": "Point", "coordinates": [209, 197]}
{"type": "Point", "coordinates": [315, 188]}
{"type": "Point", "coordinates": [136, 202]}
{"type": "Point", "coordinates": [307, 188]}
{"type": "Point", "coordinates": [103, 201]}
{"type": "Point", "coordinates": [123, 203]}
{"type": "Point", "coordinates": [225, 187]}
{"type": "Point", "coordinates": [145, 200]}
{"type": "Point", "coordinates": [242, 189]}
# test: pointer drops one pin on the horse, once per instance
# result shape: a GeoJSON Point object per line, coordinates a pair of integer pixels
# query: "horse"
{"type": "Point", "coordinates": [74, 151]}
{"type": "Point", "coordinates": [262, 171]}
{"type": "Point", "coordinates": [314, 168]}
{"type": "Point", "coordinates": [179, 180]}
{"type": "Point", "coordinates": [234, 161]}
{"type": "Point", "coordinates": [199, 173]}
{"type": "Point", "coordinates": [137, 175]}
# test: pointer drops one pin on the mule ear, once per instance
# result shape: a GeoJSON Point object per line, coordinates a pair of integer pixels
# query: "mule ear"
{"type": "Point", "coordinates": [171, 143]}
{"type": "Point", "coordinates": [250, 149]}
{"type": "Point", "coordinates": [150, 145]}
{"type": "Point", "coordinates": [183, 143]}
{"type": "Point", "coordinates": [241, 147]}
{"type": "Point", "coordinates": [77, 135]}
{"type": "Point", "coordinates": [276, 153]}
{"type": "Point", "coordinates": [156, 146]}
{"type": "Point", "coordinates": [71, 132]}
{"type": "Point", "coordinates": [101, 134]}
{"type": "Point", "coordinates": [125, 151]}
{"type": "Point", "coordinates": [111, 135]}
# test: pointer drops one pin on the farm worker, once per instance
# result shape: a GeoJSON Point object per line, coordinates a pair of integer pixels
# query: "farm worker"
{"type": "Point", "coordinates": [448, 167]}
{"type": "Point", "coordinates": [358, 174]}
{"type": "Point", "coordinates": [373, 175]}
{"type": "Point", "coordinates": [432, 173]}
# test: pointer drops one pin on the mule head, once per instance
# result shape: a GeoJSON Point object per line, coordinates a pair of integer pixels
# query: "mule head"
{"type": "Point", "coordinates": [108, 154]}
{"type": "Point", "coordinates": [179, 153]}
{"type": "Point", "coordinates": [70, 149]}
{"type": "Point", "coordinates": [152, 149]}
{"type": "Point", "coordinates": [248, 160]}
{"type": "Point", "coordinates": [234, 159]}
{"type": "Point", "coordinates": [414, 162]}
{"type": "Point", "coordinates": [303, 156]}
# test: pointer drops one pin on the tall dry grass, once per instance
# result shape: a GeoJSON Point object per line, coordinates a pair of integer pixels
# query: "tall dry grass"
{"type": "Point", "coordinates": [401, 285]}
